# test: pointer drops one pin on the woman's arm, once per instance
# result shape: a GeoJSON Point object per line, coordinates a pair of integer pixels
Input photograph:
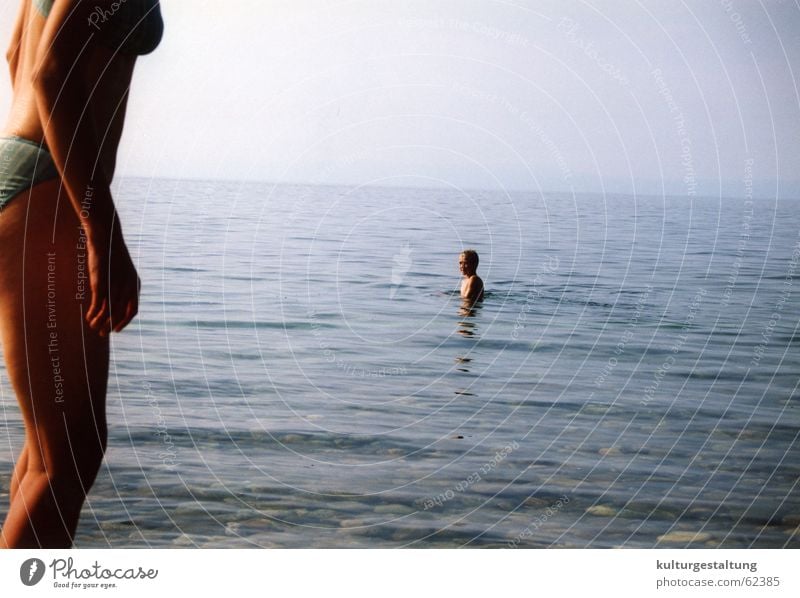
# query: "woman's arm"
{"type": "Point", "coordinates": [63, 99]}
{"type": "Point", "coordinates": [12, 54]}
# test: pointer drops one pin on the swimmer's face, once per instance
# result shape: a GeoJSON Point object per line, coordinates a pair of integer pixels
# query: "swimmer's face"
{"type": "Point", "coordinates": [466, 266]}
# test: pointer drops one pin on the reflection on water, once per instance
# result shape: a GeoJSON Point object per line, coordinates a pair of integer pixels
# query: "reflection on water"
{"type": "Point", "coordinates": [466, 311]}
{"type": "Point", "coordinates": [467, 327]}
{"type": "Point", "coordinates": [465, 361]}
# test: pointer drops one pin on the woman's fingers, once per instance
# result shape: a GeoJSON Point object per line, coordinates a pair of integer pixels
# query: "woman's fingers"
{"type": "Point", "coordinates": [101, 323]}
{"type": "Point", "coordinates": [98, 283]}
{"type": "Point", "coordinates": [122, 313]}
{"type": "Point", "coordinates": [125, 306]}
{"type": "Point", "coordinates": [95, 306]}
{"type": "Point", "coordinates": [114, 320]}
{"type": "Point", "coordinates": [97, 315]}
{"type": "Point", "coordinates": [130, 313]}
{"type": "Point", "coordinates": [115, 294]}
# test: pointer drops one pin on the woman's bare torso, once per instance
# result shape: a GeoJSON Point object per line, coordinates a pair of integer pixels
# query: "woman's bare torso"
{"type": "Point", "coordinates": [107, 78]}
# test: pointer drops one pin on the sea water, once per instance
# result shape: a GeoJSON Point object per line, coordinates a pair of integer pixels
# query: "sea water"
{"type": "Point", "coordinates": [303, 373]}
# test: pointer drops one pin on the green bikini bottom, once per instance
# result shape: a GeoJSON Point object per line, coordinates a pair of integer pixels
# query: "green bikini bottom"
{"type": "Point", "coordinates": [23, 164]}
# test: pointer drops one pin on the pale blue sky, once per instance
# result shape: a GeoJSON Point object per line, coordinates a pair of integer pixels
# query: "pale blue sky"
{"type": "Point", "coordinates": [561, 95]}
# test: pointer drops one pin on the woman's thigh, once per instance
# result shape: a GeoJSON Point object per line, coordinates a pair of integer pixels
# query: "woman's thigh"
{"type": "Point", "coordinates": [57, 365]}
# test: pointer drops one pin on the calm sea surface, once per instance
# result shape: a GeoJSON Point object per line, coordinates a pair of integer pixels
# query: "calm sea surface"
{"type": "Point", "coordinates": [302, 373]}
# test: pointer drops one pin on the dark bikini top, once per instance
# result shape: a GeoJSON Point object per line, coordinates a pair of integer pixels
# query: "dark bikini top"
{"type": "Point", "coordinates": [128, 26]}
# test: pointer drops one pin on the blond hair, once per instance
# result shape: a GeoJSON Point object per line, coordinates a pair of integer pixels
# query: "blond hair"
{"type": "Point", "coordinates": [471, 255]}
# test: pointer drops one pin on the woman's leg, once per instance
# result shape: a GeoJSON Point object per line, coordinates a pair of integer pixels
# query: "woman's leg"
{"type": "Point", "coordinates": [57, 366]}
{"type": "Point", "coordinates": [19, 472]}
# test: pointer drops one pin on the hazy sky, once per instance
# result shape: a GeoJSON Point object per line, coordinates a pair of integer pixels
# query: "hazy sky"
{"type": "Point", "coordinates": [692, 98]}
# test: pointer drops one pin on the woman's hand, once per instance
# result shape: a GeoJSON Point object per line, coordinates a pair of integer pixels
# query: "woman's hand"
{"type": "Point", "coordinates": [114, 285]}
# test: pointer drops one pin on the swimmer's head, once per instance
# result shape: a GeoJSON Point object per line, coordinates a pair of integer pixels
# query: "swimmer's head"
{"type": "Point", "coordinates": [468, 262]}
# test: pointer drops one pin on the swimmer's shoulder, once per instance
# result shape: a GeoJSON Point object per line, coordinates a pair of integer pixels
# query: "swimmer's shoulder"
{"type": "Point", "coordinates": [472, 287]}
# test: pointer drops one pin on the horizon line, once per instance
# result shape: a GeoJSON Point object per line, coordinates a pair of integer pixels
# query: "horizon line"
{"type": "Point", "coordinates": [453, 188]}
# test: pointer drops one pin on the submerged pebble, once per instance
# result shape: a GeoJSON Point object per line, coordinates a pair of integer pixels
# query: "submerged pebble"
{"type": "Point", "coordinates": [611, 450]}
{"type": "Point", "coordinates": [793, 520]}
{"type": "Point", "coordinates": [793, 532]}
{"type": "Point", "coordinates": [405, 534]}
{"type": "Point", "coordinates": [536, 502]}
{"type": "Point", "coordinates": [183, 540]}
{"type": "Point", "coordinates": [685, 537]}
{"type": "Point", "coordinates": [393, 510]}
{"type": "Point", "coordinates": [601, 511]}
